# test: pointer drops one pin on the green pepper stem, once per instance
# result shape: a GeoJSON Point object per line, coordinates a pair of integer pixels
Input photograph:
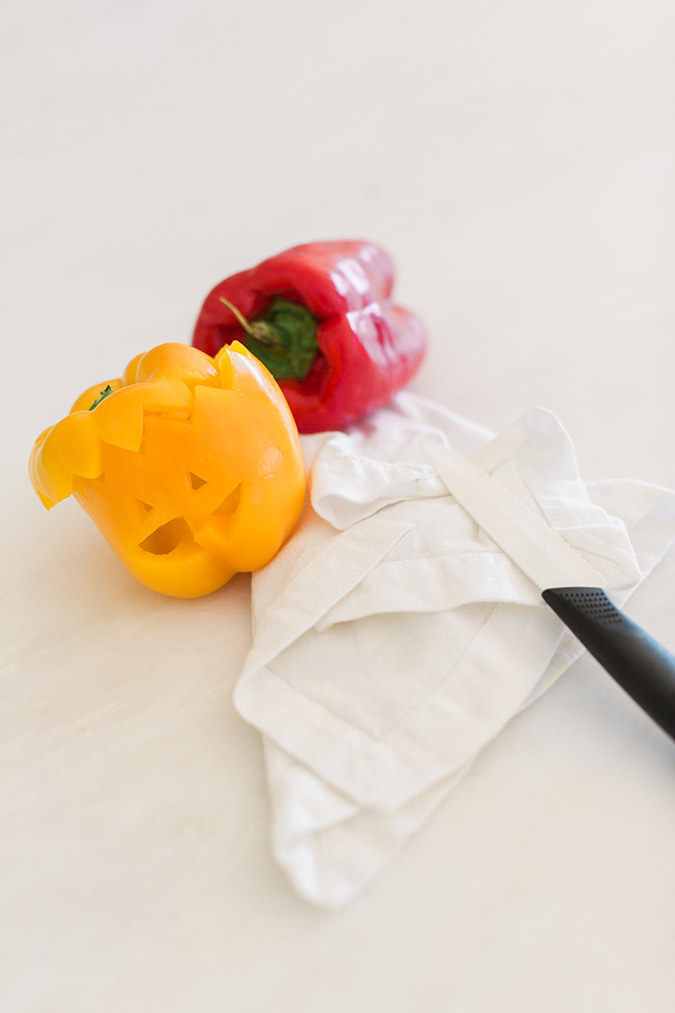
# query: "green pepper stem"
{"type": "Point", "coordinates": [258, 329]}
{"type": "Point", "coordinates": [283, 338]}
{"type": "Point", "coordinates": [102, 396]}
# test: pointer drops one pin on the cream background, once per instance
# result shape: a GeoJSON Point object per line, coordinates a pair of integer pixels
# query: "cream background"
{"type": "Point", "coordinates": [517, 160]}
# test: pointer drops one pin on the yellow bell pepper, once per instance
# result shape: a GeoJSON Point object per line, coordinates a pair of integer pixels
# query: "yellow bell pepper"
{"type": "Point", "coordinates": [190, 466]}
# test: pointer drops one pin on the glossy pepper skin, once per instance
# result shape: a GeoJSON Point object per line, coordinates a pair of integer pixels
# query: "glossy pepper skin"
{"type": "Point", "coordinates": [190, 466]}
{"type": "Point", "coordinates": [368, 347]}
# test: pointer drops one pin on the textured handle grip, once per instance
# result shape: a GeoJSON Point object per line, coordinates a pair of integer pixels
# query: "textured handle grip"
{"type": "Point", "coordinates": [640, 665]}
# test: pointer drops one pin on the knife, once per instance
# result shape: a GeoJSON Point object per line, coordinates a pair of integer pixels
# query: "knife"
{"type": "Point", "coordinates": [568, 584]}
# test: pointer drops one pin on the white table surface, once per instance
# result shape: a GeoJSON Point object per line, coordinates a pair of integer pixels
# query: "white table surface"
{"type": "Point", "coordinates": [518, 161]}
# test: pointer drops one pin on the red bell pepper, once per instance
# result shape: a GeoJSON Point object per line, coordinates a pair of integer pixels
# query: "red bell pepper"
{"type": "Point", "coordinates": [320, 317]}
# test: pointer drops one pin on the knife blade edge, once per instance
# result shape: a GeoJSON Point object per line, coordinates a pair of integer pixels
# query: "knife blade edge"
{"type": "Point", "coordinates": [535, 547]}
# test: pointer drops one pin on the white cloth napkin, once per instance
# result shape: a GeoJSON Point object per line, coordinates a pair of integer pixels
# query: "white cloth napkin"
{"type": "Point", "coordinates": [392, 639]}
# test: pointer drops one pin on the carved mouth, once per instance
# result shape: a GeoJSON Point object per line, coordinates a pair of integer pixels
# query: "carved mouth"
{"type": "Point", "coordinates": [168, 537]}
{"type": "Point", "coordinates": [177, 533]}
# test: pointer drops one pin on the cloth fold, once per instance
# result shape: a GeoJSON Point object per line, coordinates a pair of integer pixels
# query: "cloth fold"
{"type": "Point", "coordinates": [392, 639]}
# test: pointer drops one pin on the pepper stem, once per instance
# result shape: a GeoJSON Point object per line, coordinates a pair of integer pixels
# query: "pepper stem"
{"type": "Point", "coordinates": [283, 338]}
{"type": "Point", "coordinates": [258, 329]}
{"type": "Point", "coordinates": [102, 396]}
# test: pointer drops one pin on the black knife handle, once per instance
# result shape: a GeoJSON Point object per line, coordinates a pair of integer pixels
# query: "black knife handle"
{"type": "Point", "coordinates": [640, 665]}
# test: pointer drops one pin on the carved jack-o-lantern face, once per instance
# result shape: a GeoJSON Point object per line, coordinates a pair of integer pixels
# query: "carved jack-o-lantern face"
{"type": "Point", "coordinates": [191, 467]}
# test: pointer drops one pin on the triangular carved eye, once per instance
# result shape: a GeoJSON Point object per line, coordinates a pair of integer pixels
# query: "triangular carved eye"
{"type": "Point", "coordinates": [195, 481]}
{"type": "Point", "coordinates": [229, 504]}
{"type": "Point", "coordinates": [144, 508]}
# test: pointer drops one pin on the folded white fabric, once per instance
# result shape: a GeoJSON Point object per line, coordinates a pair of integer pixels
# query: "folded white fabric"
{"type": "Point", "coordinates": [392, 639]}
